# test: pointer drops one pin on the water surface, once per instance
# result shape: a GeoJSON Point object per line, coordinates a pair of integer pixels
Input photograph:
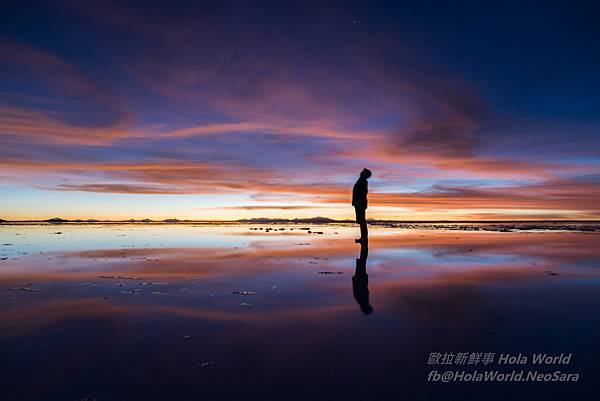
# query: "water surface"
{"type": "Point", "coordinates": [187, 312]}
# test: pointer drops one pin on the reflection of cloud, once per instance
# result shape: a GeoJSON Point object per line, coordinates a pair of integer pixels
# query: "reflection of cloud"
{"type": "Point", "coordinates": [28, 318]}
{"type": "Point", "coordinates": [268, 254]}
{"type": "Point", "coordinates": [25, 319]}
{"type": "Point", "coordinates": [405, 280]}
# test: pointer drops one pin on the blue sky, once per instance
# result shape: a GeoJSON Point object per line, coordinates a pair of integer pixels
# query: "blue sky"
{"type": "Point", "coordinates": [223, 110]}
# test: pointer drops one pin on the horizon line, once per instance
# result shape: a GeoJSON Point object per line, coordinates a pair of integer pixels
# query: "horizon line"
{"type": "Point", "coordinates": [317, 219]}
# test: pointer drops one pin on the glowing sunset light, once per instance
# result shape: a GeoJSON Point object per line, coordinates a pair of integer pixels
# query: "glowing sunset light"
{"type": "Point", "coordinates": [216, 113]}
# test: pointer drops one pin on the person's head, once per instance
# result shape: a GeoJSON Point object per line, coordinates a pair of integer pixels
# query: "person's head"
{"type": "Point", "coordinates": [366, 173]}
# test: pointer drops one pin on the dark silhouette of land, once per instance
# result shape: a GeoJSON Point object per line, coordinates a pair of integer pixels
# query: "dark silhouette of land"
{"type": "Point", "coordinates": [461, 225]}
{"type": "Point", "coordinates": [359, 201]}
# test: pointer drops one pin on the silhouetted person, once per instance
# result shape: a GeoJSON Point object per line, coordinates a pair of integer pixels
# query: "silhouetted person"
{"type": "Point", "coordinates": [360, 280]}
{"type": "Point", "coordinates": [359, 201]}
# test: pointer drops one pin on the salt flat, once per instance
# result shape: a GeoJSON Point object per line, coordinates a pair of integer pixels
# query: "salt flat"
{"type": "Point", "coordinates": [282, 311]}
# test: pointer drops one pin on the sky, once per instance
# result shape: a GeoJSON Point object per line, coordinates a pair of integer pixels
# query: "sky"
{"type": "Point", "coordinates": [224, 110]}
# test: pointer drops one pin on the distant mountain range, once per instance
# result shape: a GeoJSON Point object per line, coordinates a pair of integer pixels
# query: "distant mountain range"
{"type": "Point", "coordinates": [59, 220]}
{"type": "Point", "coordinates": [267, 220]}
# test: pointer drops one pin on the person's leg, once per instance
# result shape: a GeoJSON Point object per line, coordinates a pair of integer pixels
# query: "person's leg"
{"type": "Point", "coordinates": [358, 214]}
{"type": "Point", "coordinates": [361, 220]}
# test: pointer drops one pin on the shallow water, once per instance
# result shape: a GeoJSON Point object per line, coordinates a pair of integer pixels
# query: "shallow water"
{"type": "Point", "coordinates": [186, 312]}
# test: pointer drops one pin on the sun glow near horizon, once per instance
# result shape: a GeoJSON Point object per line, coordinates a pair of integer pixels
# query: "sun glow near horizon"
{"type": "Point", "coordinates": [71, 206]}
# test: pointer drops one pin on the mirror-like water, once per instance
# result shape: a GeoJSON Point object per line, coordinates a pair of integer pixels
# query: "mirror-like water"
{"type": "Point", "coordinates": [128, 312]}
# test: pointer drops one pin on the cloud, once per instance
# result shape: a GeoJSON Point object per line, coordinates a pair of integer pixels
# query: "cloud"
{"type": "Point", "coordinates": [565, 196]}
{"type": "Point", "coordinates": [46, 86]}
{"type": "Point", "coordinates": [21, 125]}
{"type": "Point", "coordinates": [190, 100]}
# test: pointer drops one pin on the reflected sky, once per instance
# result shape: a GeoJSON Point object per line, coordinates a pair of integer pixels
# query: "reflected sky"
{"type": "Point", "coordinates": [235, 311]}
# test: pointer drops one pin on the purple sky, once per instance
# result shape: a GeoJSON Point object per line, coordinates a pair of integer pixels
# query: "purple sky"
{"type": "Point", "coordinates": [224, 110]}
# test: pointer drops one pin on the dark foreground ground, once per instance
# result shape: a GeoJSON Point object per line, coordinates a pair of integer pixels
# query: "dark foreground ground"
{"type": "Point", "coordinates": [238, 312]}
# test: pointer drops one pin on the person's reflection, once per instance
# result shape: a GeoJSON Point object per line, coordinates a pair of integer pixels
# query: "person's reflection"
{"type": "Point", "coordinates": [360, 280]}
